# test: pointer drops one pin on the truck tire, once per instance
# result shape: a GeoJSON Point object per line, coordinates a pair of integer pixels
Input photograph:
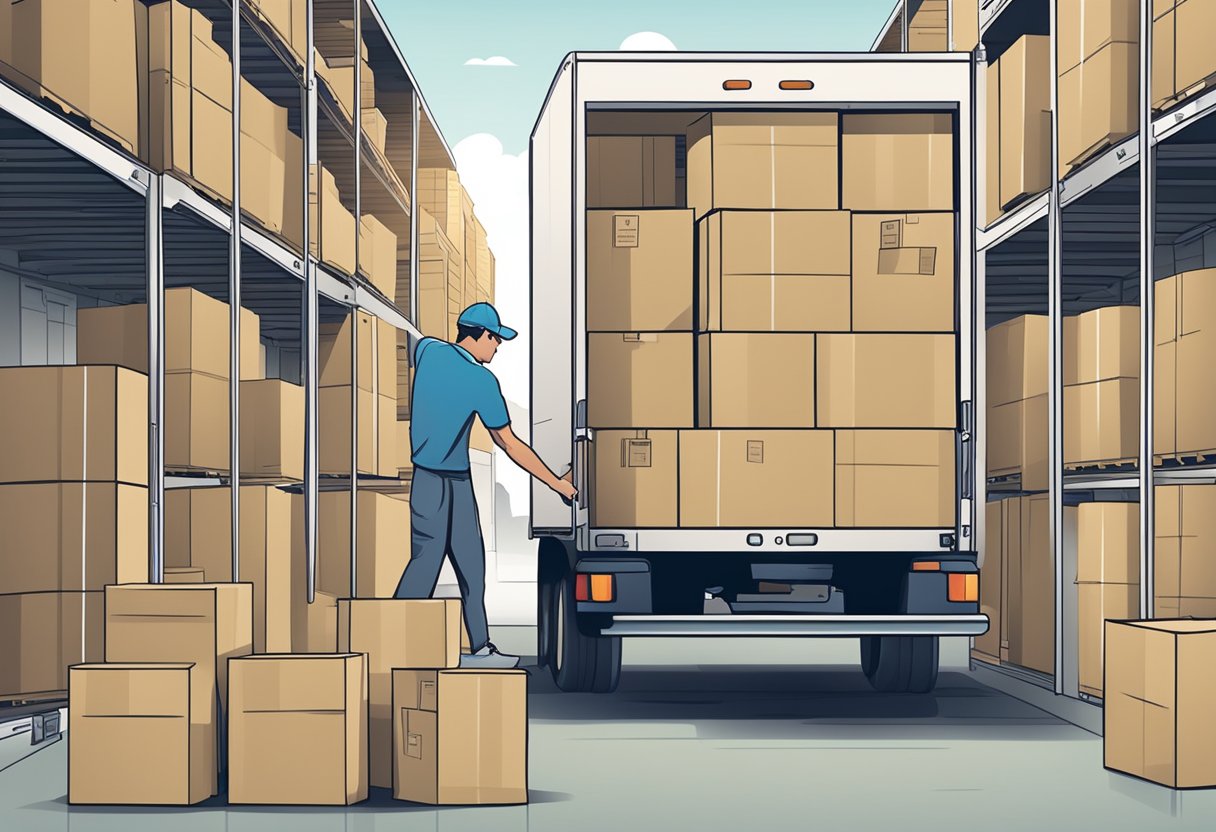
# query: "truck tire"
{"type": "Point", "coordinates": [900, 664]}
{"type": "Point", "coordinates": [580, 663]}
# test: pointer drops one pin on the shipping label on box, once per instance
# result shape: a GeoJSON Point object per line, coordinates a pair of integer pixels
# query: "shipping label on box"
{"type": "Point", "coordinates": [903, 273]}
{"type": "Point", "coordinates": [639, 281]}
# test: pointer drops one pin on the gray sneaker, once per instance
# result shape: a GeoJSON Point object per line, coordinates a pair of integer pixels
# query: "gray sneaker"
{"type": "Point", "coordinates": [489, 658]}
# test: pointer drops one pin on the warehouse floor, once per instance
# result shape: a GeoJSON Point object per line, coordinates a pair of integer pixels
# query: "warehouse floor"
{"type": "Point", "coordinates": [734, 735]}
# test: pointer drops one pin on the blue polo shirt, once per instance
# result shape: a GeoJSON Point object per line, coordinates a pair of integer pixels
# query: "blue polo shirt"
{"type": "Point", "coordinates": [450, 387]}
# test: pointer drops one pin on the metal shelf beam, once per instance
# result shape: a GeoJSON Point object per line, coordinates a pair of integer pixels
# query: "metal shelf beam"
{"type": "Point", "coordinates": [1017, 220]}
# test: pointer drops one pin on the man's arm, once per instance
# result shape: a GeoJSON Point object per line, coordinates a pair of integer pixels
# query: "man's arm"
{"type": "Point", "coordinates": [522, 455]}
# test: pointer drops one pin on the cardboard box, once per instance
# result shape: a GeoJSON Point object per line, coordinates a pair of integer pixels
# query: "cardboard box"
{"type": "Point", "coordinates": [72, 536]}
{"type": "Point", "coordinates": [383, 545]}
{"type": "Point", "coordinates": [1017, 360]}
{"type": "Point", "coordinates": [440, 194]}
{"type": "Point", "coordinates": [6, 34]}
{"type": "Point", "coordinates": [294, 191]}
{"type": "Point", "coordinates": [1102, 422]}
{"type": "Point", "coordinates": [635, 479]}
{"type": "Point", "coordinates": [289, 18]}
{"type": "Point", "coordinates": [298, 730]}
{"type": "Point", "coordinates": [375, 127]}
{"type": "Point", "coordinates": [1163, 73]}
{"type": "Point", "coordinates": [315, 625]}
{"type": "Point", "coordinates": [138, 736]}
{"type": "Point", "coordinates": [1108, 550]}
{"type": "Point", "coordinates": [184, 575]}
{"type": "Point", "coordinates": [992, 140]}
{"type": "Point", "coordinates": [460, 737]}
{"type": "Point", "coordinates": [377, 346]}
{"type": "Point", "coordinates": [1184, 534]}
{"type": "Point", "coordinates": [378, 254]}
{"type": "Point", "coordinates": [992, 579]}
{"type": "Point", "coordinates": [198, 534]}
{"type": "Point", "coordinates": [196, 423]}
{"type": "Point", "coordinates": [1017, 441]}
{"type": "Point", "coordinates": [196, 336]}
{"type": "Point", "coordinates": [332, 225]}
{"type": "Point", "coordinates": [1030, 616]}
{"type": "Point", "coordinates": [83, 424]}
{"type": "Point", "coordinates": [762, 271]}
{"type": "Point", "coordinates": [1196, 29]}
{"type": "Point", "coordinates": [639, 270]}
{"type": "Point", "coordinates": [1098, 102]}
{"type": "Point", "coordinates": [631, 172]}
{"type": "Point", "coordinates": [405, 452]}
{"type": "Point", "coordinates": [41, 634]}
{"type": "Point", "coordinates": [1025, 143]}
{"type": "Point", "coordinates": [1165, 393]}
{"type": "Point", "coordinates": [764, 380]}
{"type": "Point", "coordinates": [206, 624]}
{"type": "Point", "coordinates": [395, 633]}
{"type": "Point", "coordinates": [1102, 344]}
{"type": "Point", "coordinates": [903, 273]}
{"type": "Point", "coordinates": [756, 478]}
{"type": "Point", "coordinates": [640, 379]}
{"type": "Point", "coordinates": [1087, 27]}
{"type": "Point", "coordinates": [897, 162]}
{"type": "Point", "coordinates": [1194, 405]}
{"type": "Point", "coordinates": [377, 437]}
{"type": "Point", "coordinates": [763, 160]}
{"type": "Point", "coordinates": [895, 479]}
{"type": "Point", "coordinates": [1097, 604]}
{"type": "Point", "coordinates": [885, 381]}
{"type": "Point", "coordinates": [82, 57]}
{"type": "Point", "coordinates": [272, 430]}
{"type": "Point", "coordinates": [1156, 722]}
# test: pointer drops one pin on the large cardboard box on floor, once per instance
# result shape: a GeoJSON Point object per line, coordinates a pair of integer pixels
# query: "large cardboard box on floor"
{"type": "Point", "coordinates": [1096, 605]}
{"type": "Point", "coordinates": [779, 271]}
{"type": "Point", "coordinates": [895, 478]}
{"type": "Point", "coordinates": [1101, 422]}
{"type": "Point", "coordinates": [756, 478]}
{"type": "Point", "coordinates": [1102, 344]}
{"type": "Point", "coordinates": [383, 545]}
{"type": "Point", "coordinates": [1157, 715]}
{"type": "Point", "coordinates": [198, 533]}
{"type": "Point", "coordinates": [82, 57]}
{"type": "Point", "coordinates": [41, 634]}
{"type": "Point", "coordinates": [885, 381]}
{"type": "Point", "coordinates": [196, 336]}
{"type": "Point", "coordinates": [395, 633]}
{"type": "Point", "coordinates": [460, 737]}
{"type": "Point", "coordinates": [206, 624]}
{"type": "Point", "coordinates": [631, 172]}
{"type": "Point", "coordinates": [85, 424]}
{"type": "Point", "coordinates": [315, 625]}
{"type": "Point", "coordinates": [138, 736]}
{"type": "Point", "coordinates": [640, 379]}
{"type": "Point", "coordinates": [897, 162]}
{"type": "Point", "coordinates": [196, 423]}
{"type": "Point", "coordinates": [1017, 359]}
{"type": "Point", "coordinates": [1098, 102]}
{"type": "Point", "coordinates": [1017, 441]}
{"type": "Point", "coordinates": [639, 270]}
{"type": "Point", "coordinates": [764, 380]}
{"type": "Point", "coordinates": [72, 536]}
{"type": "Point", "coordinates": [774, 160]}
{"type": "Point", "coordinates": [903, 273]}
{"type": "Point", "coordinates": [272, 430]}
{"type": "Point", "coordinates": [635, 479]}
{"type": "Point", "coordinates": [1025, 107]}
{"type": "Point", "coordinates": [298, 730]}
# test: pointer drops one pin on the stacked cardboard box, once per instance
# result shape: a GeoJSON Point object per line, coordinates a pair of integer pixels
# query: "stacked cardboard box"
{"type": "Point", "coordinates": [632, 172]}
{"type": "Point", "coordinates": [993, 646]}
{"type": "Point", "coordinates": [1097, 59]}
{"type": "Point", "coordinates": [335, 64]}
{"type": "Point", "coordinates": [196, 374]}
{"type": "Point", "coordinates": [377, 396]}
{"type": "Point", "coordinates": [1022, 140]}
{"type": "Point", "coordinates": [445, 200]}
{"type": "Point", "coordinates": [440, 278]}
{"type": "Point", "coordinates": [378, 254]}
{"type": "Point", "coordinates": [1017, 400]}
{"type": "Point", "coordinates": [1185, 350]}
{"type": "Point", "coordinates": [897, 162]}
{"type": "Point", "coordinates": [992, 143]}
{"type": "Point", "coordinates": [1108, 581]}
{"type": "Point", "coordinates": [1183, 60]}
{"type": "Point", "coordinates": [1101, 386]}
{"type": "Point", "coordinates": [928, 28]}
{"type": "Point", "coordinates": [289, 19]}
{"type": "Point", "coordinates": [332, 225]}
{"type": "Point", "coordinates": [383, 534]}
{"type": "Point", "coordinates": [74, 509]}
{"type": "Point", "coordinates": [1185, 575]}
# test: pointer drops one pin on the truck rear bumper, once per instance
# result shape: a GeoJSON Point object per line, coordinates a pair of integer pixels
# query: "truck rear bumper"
{"type": "Point", "coordinates": [835, 626]}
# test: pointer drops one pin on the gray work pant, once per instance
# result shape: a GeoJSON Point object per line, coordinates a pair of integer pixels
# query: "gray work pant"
{"type": "Point", "coordinates": [444, 521]}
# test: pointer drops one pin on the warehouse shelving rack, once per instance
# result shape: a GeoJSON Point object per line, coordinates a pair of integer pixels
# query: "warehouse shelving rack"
{"type": "Point", "coordinates": [113, 216]}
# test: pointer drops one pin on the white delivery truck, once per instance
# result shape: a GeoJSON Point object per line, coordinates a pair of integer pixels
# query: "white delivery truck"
{"type": "Point", "coordinates": [754, 344]}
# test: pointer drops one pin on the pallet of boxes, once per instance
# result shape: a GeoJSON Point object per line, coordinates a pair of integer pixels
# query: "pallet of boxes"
{"type": "Point", "coordinates": [778, 349]}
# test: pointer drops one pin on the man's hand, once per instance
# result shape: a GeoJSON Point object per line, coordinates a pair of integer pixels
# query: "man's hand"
{"type": "Point", "coordinates": [523, 456]}
{"type": "Point", "coordinates": [565, 489]}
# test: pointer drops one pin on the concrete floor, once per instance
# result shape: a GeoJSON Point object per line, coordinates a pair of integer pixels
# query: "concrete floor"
{"type": "Point", "coordinates": [730, 735]}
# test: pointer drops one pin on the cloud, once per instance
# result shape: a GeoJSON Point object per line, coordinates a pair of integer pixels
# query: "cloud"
{"type": "Point", "coordinates": [647, 42]}
{"type": "Point", "coordinates": [497, 60]}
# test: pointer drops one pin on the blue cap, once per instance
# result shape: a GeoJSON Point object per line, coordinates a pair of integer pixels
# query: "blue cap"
{"type": "Point", "coordinates": [486, 316]}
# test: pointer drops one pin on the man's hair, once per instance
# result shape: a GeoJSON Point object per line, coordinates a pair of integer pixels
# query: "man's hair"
{"type": "Point", "coordinates": [474, 332]}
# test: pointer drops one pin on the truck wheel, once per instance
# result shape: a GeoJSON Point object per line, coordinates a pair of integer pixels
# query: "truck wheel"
{"type": "Point", "coordinates": [900, 664]}
{"type": "Point", "coordinates": [580, 663]}
{"type": "Point", "coordinates": [544, 623]}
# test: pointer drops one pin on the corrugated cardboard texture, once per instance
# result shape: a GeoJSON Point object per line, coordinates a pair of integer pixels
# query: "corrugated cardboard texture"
{"type": "Point", "coordinates": [1025, 143]}
{"type": "Point", "coordinates": [272, 429]}
{"type": "Point", "coordinates": [1017, 360]}
{"type": "Point", "coordinates": [1101, 421]}
{"type": "Point", "coordinates": [763, 160]}
{"type": "Point", "coordinates": [640, 380]}
{"type": "Point", "coordinates": [631, 172]}
{"type": "Point", "coordinates": [1108, 550]}
{"type": "Point", "coordinates": [139, 736]}
{"type": "Point", "coordinates": [41, 634]}
{"type": "Point", "coordinates": [395, 633]}
{"type": "Point", "coordinates": [196, 422]}
{"type": "Point", "coordinates": [206, 624]}
{"type": "Point", "coordinates": [903, 273]}
{"type": "Point", "coordinates": [1098, 102]}
{"type": "Point", "coordinates": [885, 381]}
{"type": "Point", "coordinates": [639, 270]}
{"type": "Point", "coordinates": [635, 478]}
{"type": "Point", "coordinates": [465, 741]}
{"type": "Point", "coordinates": [1102, 344]}
{"type": "Point", "coordinates": [895, 479]}
{"type": "Point", "coordinates": [1098, 603]}
{"type": "Point", "coordinates": [901, 162]}
{"type": "Point", "coordinates": [756, 478]}
{"type": "Point", "coordinates": [383, 531]}
{"type": "Point", "coordinates": [74, 424]}
{"type": "Point", "coordinates": [72, 536]}
{"type": "Point", "coordinates": [298, 730]}
{"type": "Point", "coordinates": [764, 380]}
{"type": "Point", "coordinates": [764, 271]}
{"type": "Point", "coordinates": [1017, 442]}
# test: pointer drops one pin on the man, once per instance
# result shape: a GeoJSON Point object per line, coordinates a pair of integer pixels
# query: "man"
{"type": "Point", "coordinates": [451, 386]}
